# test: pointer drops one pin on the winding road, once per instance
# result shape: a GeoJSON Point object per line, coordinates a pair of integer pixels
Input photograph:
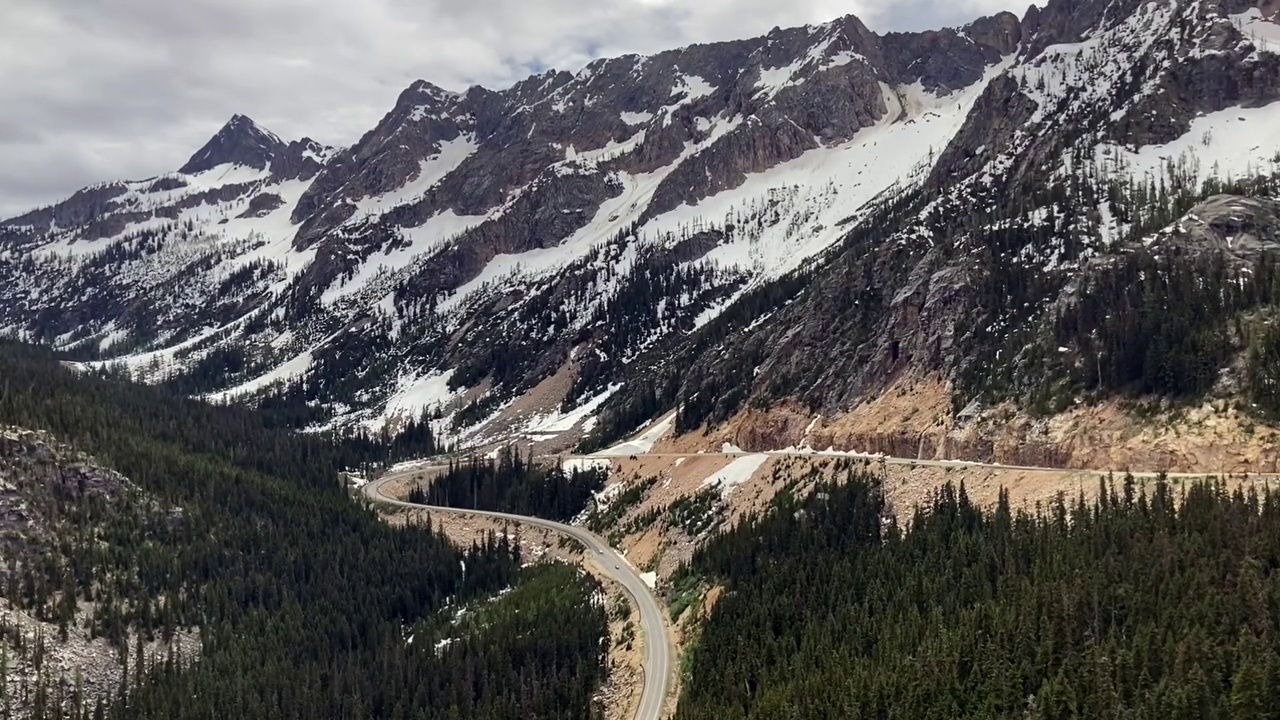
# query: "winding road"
{"type": "Point", "coordinates": [658, 652]}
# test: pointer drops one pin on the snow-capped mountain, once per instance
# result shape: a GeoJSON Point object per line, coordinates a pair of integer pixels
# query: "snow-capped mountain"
{"type": "Point", "coordinates": [801, 215]}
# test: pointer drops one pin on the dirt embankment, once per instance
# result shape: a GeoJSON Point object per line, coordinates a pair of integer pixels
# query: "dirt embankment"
{"type": "Point", "coordinates": [913, 419]}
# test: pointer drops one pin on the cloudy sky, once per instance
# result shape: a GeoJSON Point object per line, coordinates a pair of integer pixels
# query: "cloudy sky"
{"type": "Point", "coordinates": [110, 89]}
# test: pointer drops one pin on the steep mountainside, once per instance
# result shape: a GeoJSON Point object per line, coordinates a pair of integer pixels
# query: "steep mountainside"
{"type": "Point", "coordinates": [69, 611]}
{"type": "Point", "coordinates": [804, 216]}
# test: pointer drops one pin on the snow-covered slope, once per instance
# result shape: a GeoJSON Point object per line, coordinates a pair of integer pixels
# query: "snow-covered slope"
{"type": "Point", "coordinates": [514, 260]}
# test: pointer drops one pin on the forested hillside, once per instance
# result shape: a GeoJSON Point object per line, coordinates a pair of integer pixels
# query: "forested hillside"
{"type": "Point", "coordinates": [515, 484]}
{"type": "Point", "coordinates": [1153, 602]}
{"type": "Point", "coordinates": [302, 596]}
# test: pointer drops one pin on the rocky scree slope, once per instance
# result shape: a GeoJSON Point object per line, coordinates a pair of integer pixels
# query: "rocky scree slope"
{"type": "Point", "coordinates": [68, 612]}
{"type": "Point", "coordinates": [807, 216]}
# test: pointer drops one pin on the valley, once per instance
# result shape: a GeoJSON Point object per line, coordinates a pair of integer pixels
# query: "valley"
{"type": "Point", "coordinates": [832, 372]}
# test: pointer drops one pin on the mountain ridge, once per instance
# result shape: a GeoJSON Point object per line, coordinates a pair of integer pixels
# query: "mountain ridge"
{"type": "Point", "coordinates": [579, 252]}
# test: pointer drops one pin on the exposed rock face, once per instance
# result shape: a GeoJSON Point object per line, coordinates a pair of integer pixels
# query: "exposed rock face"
{"type": "Point", "coordinates": [1240, 229]}
{"type": "Point", "coordinates": [1229, 72]}
{"type": "Point", "coordinates": [387, 156]}
{"type": "Point", "coordinates": [52, 498]}
{"type": "Point", "coordinates": [555, 207]}
{"type": "Point", "coordinates": [166, 184]}
{"type": "Point", "coordinates": [759, 144]}
{"type": "Point", "coordinates": [300, 160]}
{"type": "Point", "coordinates": [1000, 113]}
{"type": "Point", "coordinates": [79, 209]}
{"type": "Point", "coordinates": [30, 468]}
{"type": "Point", "coordinates": [1001, 32]}
{"type": "Point", "coordinates": [240, 142]}
{"type": "Point", "coordinates": [262, 205]}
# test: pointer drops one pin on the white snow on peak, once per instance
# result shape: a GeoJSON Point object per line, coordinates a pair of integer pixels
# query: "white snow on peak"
{"type": "Point", "coordinates": [787, 214]}
{"type": "Point", "coordinates": [844, 57]}
{"type": "Point", "coordinates": [319, 153]}
{"type": "Point", "coordinates": [689, 88]}
{"type": "Point", "coordinates": [694, 87]}
{"type": "Point", "coordinates": [774, 80]}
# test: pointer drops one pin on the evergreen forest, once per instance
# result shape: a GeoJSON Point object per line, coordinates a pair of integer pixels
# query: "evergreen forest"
{"type": "Point", "coordinates": [1154, 601]}
{"type": "Point", "coordinates": [303, 597]}
{"type": "Point", "coordinates": [513, 483]}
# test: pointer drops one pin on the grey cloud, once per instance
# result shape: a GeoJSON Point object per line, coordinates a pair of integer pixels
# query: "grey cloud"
{"type": "Point", "coordinates": [97, 91]}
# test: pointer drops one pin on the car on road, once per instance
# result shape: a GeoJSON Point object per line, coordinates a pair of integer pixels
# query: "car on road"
{"type": "Point", "coordinates": [617, 566]}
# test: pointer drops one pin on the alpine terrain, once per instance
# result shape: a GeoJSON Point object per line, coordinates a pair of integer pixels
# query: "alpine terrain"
{"type": "Point", "coordinates": [824, 374]}
{"type": "Point", "coordinates": [956, 243]}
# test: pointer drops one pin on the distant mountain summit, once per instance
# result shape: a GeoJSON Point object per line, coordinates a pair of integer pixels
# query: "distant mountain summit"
{"type": "Point", "coordinates": [240, 142]}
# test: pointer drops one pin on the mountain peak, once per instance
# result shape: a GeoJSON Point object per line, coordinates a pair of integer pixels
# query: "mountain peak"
{"type": "Point", "coordinates": [240, 141]}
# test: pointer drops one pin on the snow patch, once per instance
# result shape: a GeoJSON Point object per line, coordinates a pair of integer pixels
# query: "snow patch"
{"type": "Point", "coordinates": [293, 368]}
{"type": "Point", "coordinates": [636, 118]}
{"type": "Point", "coordinates": [1264, 33]}
{"type": "Point", "coordinates": [585, 464]}
{"type": "Point", "coordinates": [1232, 143]}
{"type": "Point", "coordinates": [735, 473]}
{"type": "Point", "coordinates": [417, 393]}
{"type": "Point", "coordinates": [789, 213]}
{"type": "Point", "coordinates": [645, 442]}
{"type": "Point", "coordinates": [555, 423]}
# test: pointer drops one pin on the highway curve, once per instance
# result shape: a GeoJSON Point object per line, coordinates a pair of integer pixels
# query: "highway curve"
{"type": "Point", "coordinates": [658, 653]}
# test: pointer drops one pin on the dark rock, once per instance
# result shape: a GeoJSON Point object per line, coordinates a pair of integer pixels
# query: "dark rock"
{"type": "Point", "coordinates": [999, 113]}
{"type": "Point", "coordinates": [76, 210]}
{"type": "Point", "coordinates": [1240, 229]}
{"type": "Point", "coordinates": [263, 205]}
{"type": "Point", "coordinates": [1230, 75]}
{"type": "Point", "coordinates": [242, 142]}
{"type": "Point", "coordinates": [1002, 32]}
{"type": "Point", "coordinates": [166, 184]}
{"type": "Point", "coordinates": [551, 210]}
{"type": "Point", "coordinates": [757, 145]}
{"type": "Point", "coordinates": [696, 246]}
{"type": "Point", "coordinates": [301, 160]}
